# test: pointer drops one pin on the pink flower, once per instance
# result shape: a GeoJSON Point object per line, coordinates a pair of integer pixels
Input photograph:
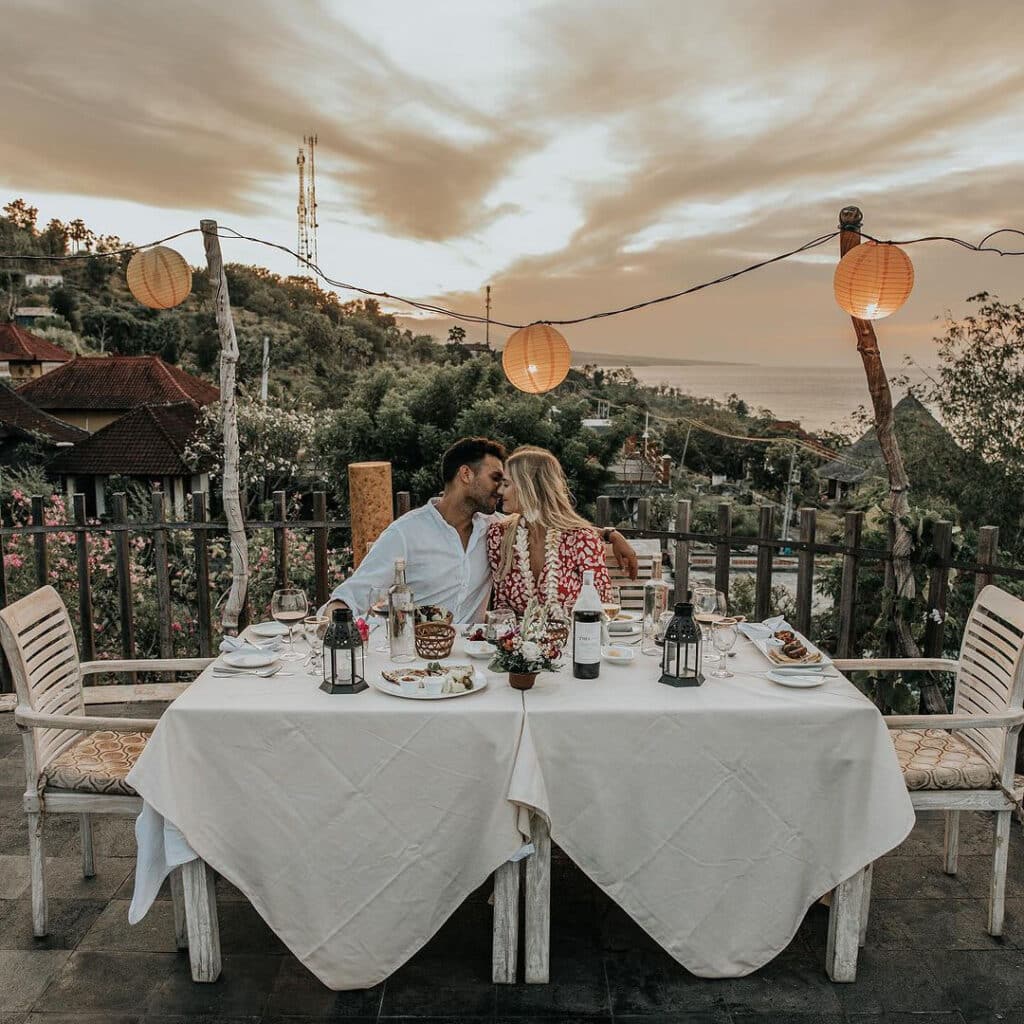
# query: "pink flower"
{"type": "Point", "coordinates": [364, 628]}
{"type": "Point", "coordinates": [13, 561]}
{"type": "Point", "coordinates": [176, 626]}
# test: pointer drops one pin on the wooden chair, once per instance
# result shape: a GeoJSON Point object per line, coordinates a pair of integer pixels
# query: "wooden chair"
{"type": "Point", "coordinates": [76, 764]}
{"type": "Point", "coordinates": [632, 591]}
{"type": "Point", "coordinates": [965, 761]}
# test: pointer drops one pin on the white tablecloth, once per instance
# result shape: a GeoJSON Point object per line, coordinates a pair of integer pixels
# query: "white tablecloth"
{"type": "Point", "coordinates": [355, 824]}
{"type": "Point", "coordinates": [715, 816]}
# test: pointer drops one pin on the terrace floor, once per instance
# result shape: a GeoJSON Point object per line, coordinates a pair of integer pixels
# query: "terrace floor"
{"type": "Point", "coordinates": [928, 957]}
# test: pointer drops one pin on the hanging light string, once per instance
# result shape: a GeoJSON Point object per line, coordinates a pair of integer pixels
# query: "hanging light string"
{"type": "Point", "coordinates": [474, 318]}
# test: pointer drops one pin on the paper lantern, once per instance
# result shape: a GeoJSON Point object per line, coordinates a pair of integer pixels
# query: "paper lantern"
{"type": "Point", "coordinates": [159, 277]}
{"type": "Point", "coordinates": [873, 280]}
{"type": "Point", "coordinates": [536, 358]}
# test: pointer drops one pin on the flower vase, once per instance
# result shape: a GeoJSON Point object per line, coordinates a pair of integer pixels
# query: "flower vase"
{"type": "Point", "coordinates": [522, 680]}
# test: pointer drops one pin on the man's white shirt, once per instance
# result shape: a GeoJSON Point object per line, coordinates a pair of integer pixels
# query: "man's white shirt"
{"type": "Point", "coordinates": [438, 569]}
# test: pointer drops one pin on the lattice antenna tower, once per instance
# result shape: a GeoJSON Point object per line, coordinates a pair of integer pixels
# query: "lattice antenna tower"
{"type": "Point", "coordinates": [310, 142]}
{"type": "Point", "coordinates": [303, 218]}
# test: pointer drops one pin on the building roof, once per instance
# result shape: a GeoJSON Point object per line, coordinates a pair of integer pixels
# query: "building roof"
{"type": "Point", "coordinates": [20, 345]}
{"type": "Point", "coordinates": [148, 441]}
{"type": "Point", "coordinates": [117, 382]}
{"type": "Point", "coordinates": [863, 458]}
{"type": "Point", "coordinates": [17, 414]}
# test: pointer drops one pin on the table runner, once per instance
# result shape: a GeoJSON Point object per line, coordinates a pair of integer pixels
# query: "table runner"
{"type": "Point", "coordinates": [715, 816]}
{"type": "Point", "coordinates": [355, 824]}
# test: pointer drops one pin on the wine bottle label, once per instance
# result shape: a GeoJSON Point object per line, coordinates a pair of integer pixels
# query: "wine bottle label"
{"type": "Point", "coordinates": [586, 646]}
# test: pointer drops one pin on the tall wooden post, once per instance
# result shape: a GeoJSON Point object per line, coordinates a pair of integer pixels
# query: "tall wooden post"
{"type": "Point", "coordinates": [231, 494]}
{"type": "Point", "coordinates": [850, 222]}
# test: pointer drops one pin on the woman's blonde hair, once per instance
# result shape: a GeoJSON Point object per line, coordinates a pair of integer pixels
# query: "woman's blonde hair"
{"type": "Point", "coordinates": [543, 498]}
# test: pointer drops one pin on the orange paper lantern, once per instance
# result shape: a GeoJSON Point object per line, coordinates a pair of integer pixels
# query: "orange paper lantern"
{"type": "Point", "coordinates": [536, 358]}
{"type": "Point", "coordinates": [873, 280]}
{"type": "Point", "coordinates": [159, 277]}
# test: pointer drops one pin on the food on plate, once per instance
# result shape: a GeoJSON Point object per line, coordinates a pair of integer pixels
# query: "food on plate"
{"type": "Point", "coordinates": [794, 649]}
{"type": "Point", "coordinates": [455, 678]}
{"type": "Point", "coordinates": [477, 635]}
{"type": "Point", "coordinates": [432, 613]}
{"type": "Point", "coordinates": [787, 636]}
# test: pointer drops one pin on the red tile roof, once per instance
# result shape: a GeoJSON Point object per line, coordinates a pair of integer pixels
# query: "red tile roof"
{"type": "Point", "coordinates": [19, 415]}
{"type": "Point", "coordinates": [149, 441]}
{"type": "Point", "coordinates": [117, 382]}
{"type": "Point", "coordinates": [20, 345]}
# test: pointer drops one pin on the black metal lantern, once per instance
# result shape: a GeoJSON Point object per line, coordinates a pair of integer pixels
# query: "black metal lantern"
{"type": "Point", "coordinates": [344, 665]}
{"type": "Point", "coordinates": [680, 652]}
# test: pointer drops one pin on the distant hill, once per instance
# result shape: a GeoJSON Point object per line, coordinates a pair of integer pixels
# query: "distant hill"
{"type": "Point", "coordinates": [617, 359]}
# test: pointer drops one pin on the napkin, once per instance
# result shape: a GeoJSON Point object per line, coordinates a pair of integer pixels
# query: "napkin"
{"type": "Point", "coordinates": [237, 644]}
{"type": "Point", "coordinates": [763, 630]}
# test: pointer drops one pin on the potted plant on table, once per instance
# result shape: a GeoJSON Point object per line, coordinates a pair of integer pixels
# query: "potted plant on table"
{"type": "Point", "coordinates": [532, 646]}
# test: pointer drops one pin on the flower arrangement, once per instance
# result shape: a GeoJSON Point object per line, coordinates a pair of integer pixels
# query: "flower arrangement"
{"type": "Point", "coordinates": [533, 645]}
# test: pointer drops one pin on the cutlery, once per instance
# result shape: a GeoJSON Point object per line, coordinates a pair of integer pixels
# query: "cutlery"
{"type": "Point", "coordinates": [263, 673]}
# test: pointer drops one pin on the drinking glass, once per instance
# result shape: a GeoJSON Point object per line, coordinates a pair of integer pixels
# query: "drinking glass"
{"type": "Point", "coordinates": [612, 605]}
{"type": "Point", "coordinates": [723, 636]}
{"type": "Point", "coordinates": [658, 634]}
{"type": "Point", "coordinates": [288, 606]}
{"type": "Point", "coordinates": [497, 623]}
{"type": "Point", "coordinates": [313, 626]}
{"type": "Point", "coordinates": [378, 612]}
{"type": "Point", "coordinates": [709, 606]}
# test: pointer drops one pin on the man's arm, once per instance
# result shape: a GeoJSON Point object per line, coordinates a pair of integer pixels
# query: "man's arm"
{"type": "Point", "coordinates": [623, 552]}
{"type": "Point", "coordinates": [377, 569]}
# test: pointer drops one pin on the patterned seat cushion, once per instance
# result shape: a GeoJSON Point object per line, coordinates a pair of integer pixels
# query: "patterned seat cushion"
{"type": "Point", "coordinates": [97, 763]}
{"type": "Point", "coordinates": [935, 759]}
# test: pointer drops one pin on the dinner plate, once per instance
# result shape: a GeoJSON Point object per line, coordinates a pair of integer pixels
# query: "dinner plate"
{"type": "Point", "coordinates": [268, 629]}
{"type": "Point", "coordinates": [798, 680]}
{"type": "Point", "coordinates": [394, 690]}
{"type": "Point", "coordinates": [478, 648]}
{"type": "Point", "coordinates": [623, 655]}
{"type": "Point", "coordinates": [244, 659]}
{"type": "Point", "coordinates": [769, 643]}
{"type": "Point", "coordinates": [624, 622]}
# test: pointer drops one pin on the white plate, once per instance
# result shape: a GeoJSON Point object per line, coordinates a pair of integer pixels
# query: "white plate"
{"type": "Point", "coordinates": [624, 622]}
{"type": "Point", "coordinates": [626, 654]}
{"type": "Point", "coordinates": [814, 666]}
{"type": "Point", "coordinates": [798, 680]}
{"type": "Point", "coordinates": [394, 690]}
{"type": "Point", "coordinates": [243, 659]}
{"type": "Point", "coordinates": [268, 629]}
{"type": "Point", "coordinates": [478, 648]}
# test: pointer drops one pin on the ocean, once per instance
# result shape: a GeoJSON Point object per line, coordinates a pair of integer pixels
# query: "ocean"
{"type": "Point", "coordinates": [818, 397]}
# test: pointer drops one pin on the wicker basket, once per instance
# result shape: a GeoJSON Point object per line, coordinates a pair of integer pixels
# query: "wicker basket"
{"type": "Point", "coordinates": [434, 640]}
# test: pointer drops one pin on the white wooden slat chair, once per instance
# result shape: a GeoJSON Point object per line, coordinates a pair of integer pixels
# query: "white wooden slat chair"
{"type": "Point", "coordinates": [632, 591]}
{"type": "Point", "coordinates": [76, 764]}
{"type": "Point", "coordinates": [965, 761]}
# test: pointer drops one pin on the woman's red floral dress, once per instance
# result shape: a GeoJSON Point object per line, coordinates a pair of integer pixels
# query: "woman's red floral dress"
{"type": "Point", "coordinates": [578, 550]}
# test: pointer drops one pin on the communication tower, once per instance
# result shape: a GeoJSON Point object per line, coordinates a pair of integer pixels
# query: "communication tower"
{"type": "Point", "coordinates": [307, 206]}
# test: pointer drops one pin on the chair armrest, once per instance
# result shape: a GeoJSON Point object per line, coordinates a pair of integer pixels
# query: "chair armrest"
{"type": "Point", "coordinates": [896, 664]}
{"type": "Point", "coordinates": [91, 668]}
{"type": "Point", "coordinates": [952, 723]}
{"type": "Point", "coordinates": [26, 718]}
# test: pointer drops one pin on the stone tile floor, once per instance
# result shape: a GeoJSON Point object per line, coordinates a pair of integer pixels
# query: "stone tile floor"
{"type": "Point", "coordinates": [928, 958]}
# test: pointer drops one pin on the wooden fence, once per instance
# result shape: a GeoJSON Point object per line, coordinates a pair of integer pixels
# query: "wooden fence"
{"type": "Point", "coordinates": [723, 543]}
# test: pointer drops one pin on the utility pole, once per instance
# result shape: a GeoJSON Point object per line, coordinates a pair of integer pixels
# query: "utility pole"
{"type": "Point", "coordinates": [487, 336]}
{"type": "Point", "coordinates": [789, 495]}
{"type": "Point", "coordinates": [266, 369]}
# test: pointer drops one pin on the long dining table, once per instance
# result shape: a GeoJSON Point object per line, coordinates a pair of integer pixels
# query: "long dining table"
{"type": "Point", "coordinates": [356, 824]}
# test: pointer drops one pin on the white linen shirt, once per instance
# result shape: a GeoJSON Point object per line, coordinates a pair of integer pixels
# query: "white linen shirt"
{"type": "Point", "coordinates": [437, 567]}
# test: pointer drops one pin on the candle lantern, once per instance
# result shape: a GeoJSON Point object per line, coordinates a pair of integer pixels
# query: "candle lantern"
{"type": "Point", "coordinates": [344, 666]}
{"type": "Point", "coordinates": [680, 652]}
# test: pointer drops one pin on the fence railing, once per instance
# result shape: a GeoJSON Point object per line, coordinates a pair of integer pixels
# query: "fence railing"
{"type": "Point", "coordinates": [157, 530]}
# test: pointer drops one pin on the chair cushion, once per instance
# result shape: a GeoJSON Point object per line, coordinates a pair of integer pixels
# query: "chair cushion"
{"type": "Point", "coordinates": [97, 763]}
{"type": "Point", "coordinates": [936, 759]}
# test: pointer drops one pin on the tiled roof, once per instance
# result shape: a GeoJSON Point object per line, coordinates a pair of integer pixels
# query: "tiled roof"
{"type": "Point", "coordinates": [149, 441]}
{"type": "Point", "coordinates": [17, 413]}
{"type": "Point", "coordinates": [20, 345]}
{"type": "Point", "coordinates": [117, 382]}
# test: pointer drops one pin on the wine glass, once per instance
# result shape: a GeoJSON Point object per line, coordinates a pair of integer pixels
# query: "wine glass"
{"type": "Point", "coordinates": [288, 606]}
{"type": "Point", "coordinates": [612, 604]}
{"type": "Point", "coordinates": [723, 636]}
{"type": "Point", "coordinates": [378, 610]}
{"type": "Point", "coordinates": [313, 626]}
{"type": "Point", "coordinates": [497, 623]}
{"type": "Point", "coordinates": [709, 606]}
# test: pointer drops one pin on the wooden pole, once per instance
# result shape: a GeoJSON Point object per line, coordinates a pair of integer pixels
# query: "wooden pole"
{"type": "Point", "coordinates": [850, 222]}
{"type": "Point", "coordinates": [231, 494]}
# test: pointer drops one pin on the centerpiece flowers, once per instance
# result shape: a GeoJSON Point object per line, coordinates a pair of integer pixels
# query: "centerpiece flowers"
{"type": "Point", "coordinates": [534, 645]}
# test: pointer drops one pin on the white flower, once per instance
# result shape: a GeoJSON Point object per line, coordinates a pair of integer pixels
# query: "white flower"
{"type": "Point", "coordinates": [531, 651]}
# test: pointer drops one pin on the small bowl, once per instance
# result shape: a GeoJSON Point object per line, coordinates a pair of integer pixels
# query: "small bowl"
{"type": "Point", "coordinates": [616, 654]}
{"type": "Point", "coordinates": [434, 685]}
{"type": "Point", "coordinates": [409, 685]}
{"type": "Point", "coordinates": [478, 648]}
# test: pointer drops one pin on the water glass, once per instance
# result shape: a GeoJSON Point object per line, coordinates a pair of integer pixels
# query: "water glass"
{"type": "Point", "coordinates": [313, 626]}
{"type": "Point", "coordinates": [288, 606]}
{"type": "Point", "coordinates": [723, 636]}
{"type": "Point", "coordinates": [377, 610]}
{"type": "Point", "coordinates": [497, 623]}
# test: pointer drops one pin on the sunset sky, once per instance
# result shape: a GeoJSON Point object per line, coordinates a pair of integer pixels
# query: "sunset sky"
{"type": "Point", "coordinates": [576, 155]}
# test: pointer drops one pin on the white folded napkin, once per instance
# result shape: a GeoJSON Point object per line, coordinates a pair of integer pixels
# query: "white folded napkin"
{"type": "Point", "coordinates": [236, 643]}
{"type": "Point", "coordinates": [763, 630]}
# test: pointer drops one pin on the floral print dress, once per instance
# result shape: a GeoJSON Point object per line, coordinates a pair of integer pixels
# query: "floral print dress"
{"type": "Point", "coordinates": [567, 556]}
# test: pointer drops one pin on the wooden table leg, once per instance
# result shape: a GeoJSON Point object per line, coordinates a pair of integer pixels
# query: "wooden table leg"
{"type": "Point", "coordinates": [201, 917]}
{"type": "Point", "coordinates": [844, 929]}
{"type": "Point", "coordinates": [538, 904]}
{"type": "Point", "coordinates": [505, 939]}
{"type": "Point", "coordinates": [178, 903]}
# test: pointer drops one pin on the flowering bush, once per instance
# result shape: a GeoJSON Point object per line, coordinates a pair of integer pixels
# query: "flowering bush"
{"type": "Point", "coordinates": [535, 644]}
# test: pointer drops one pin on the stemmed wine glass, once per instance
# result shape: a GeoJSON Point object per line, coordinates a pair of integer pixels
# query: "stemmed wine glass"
{"type": "Point", "coordinates": [378, 610]}
{"type": "Point", "coordinates": [709, 607]}
{"type": "Point", "coordinates": [723, 636]}
{"type": "Point", "coordinates": [288, 606]}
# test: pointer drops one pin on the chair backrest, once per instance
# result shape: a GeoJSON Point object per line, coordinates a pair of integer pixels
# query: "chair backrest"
{"type": "Point", "coordinates": [632, 591]}
{"type": "Point", "coordinates": [40, 646]}
{"type": "Point", "coordinates": [991, 673]}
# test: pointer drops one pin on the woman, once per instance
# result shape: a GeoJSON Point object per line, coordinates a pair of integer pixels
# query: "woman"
{"type": "Point", "coordinates": [542, 549]}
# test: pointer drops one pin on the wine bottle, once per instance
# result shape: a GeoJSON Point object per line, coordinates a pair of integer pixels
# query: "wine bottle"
{"type": "Point", "coordinates": [401, 616]}
{"type": "Point", "coordinates": [587, 614]}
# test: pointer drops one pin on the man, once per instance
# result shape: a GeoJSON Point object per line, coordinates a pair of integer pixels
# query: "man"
{"type": "Point", "coordinates": [444, 542]}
